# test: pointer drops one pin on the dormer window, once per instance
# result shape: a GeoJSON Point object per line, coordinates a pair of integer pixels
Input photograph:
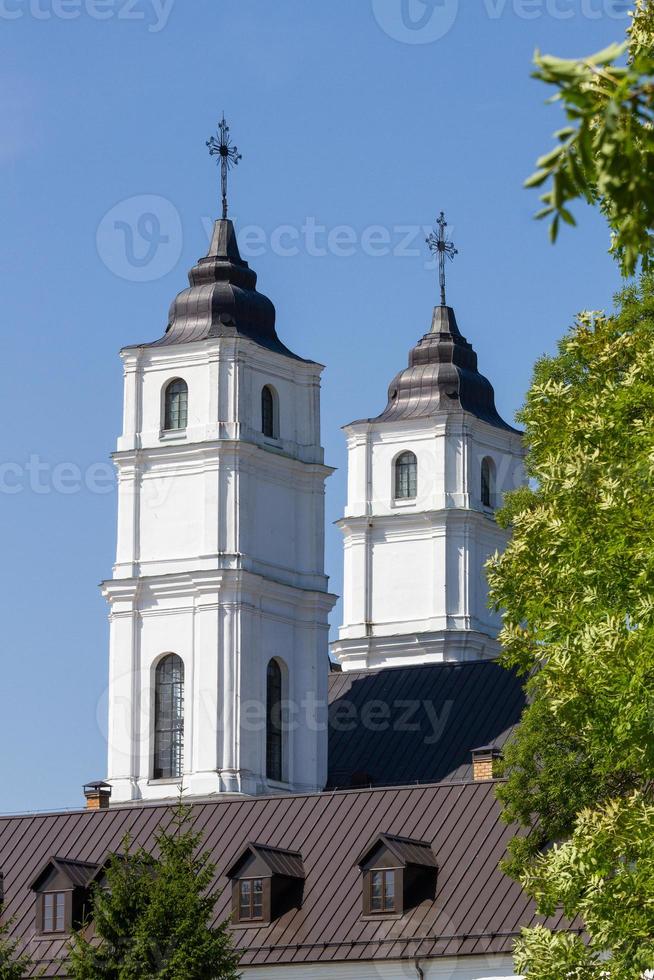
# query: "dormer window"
{"type": "Point", "coordinates": [250, 899]}
{"type": "Point", "coordinates": [398, 874]}
{"type": "Point", "coordinates": [267, 882]}
{"type": "Point", "coordinates": [382, 891]}
{"type": "Point", "coordinates": [63, 895]}
{"type": "Point", "coordinates": [54, 911]}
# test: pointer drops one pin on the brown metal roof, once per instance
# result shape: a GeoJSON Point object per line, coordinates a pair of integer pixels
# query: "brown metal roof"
{"type": "Point", "coordinates": [477, 909]}
{"type": "Point", "coordinates": [222, 300]}
{"type": "Point", "coordinates": [442, 376]}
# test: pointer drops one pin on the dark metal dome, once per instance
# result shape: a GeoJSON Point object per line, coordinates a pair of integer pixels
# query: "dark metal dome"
{"type": "Point", "coordinates": [442, 376]}
{"type": "Point", "coordinates": [222, 300]}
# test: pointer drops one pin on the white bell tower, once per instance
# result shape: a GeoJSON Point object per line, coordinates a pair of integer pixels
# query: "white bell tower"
{"type": "Point", "coordinates": [219, 600]}
{"type": "Point", "coordinates": [424, 479]}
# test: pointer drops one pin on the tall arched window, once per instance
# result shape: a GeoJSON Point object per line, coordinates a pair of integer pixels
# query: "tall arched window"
{"type": "Point", "coordinates": [268, 421]}
{"type": "Point", "coordinates": [274, 727]}
{"type": "Point", "coordinates": [487, 481]}
{"type": "Point", "coordinates": [176, 405]}
{"type": "Point", "coordinates": [168, 718]}
{"type": "Point", "coordinates": [406, 476]}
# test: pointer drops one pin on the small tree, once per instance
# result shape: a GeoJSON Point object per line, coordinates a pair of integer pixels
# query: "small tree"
{"type": "Point", "coordinates": [12, 967]}
{"type": "Point", "coordinates": [152, 915]}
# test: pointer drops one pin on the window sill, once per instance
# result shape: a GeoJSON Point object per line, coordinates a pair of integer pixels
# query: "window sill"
{"type": "Point", "coordinates": [167, 435]}
{"type": "Point", "coordinates": [274, 784]}
{"type": "Point", "coordinates": [175, 781]}
{"type": "Point", "coordinates": [376, 916]}
{"type": "Point", "coordinates": [404, 502]}
{"type": "Point", "coordinates": [51, 936]}
{"type": "Point", "coordinates": [250, 924]}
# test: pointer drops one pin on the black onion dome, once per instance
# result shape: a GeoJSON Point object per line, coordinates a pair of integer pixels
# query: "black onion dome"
{"type": "Point", "coordinates": [222, 300]}
{"type": "Point", "coordinates": [442, 376]}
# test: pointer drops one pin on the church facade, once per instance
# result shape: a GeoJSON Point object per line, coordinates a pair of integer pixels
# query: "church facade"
{"type": "Point", "coordinates": [348, 802]}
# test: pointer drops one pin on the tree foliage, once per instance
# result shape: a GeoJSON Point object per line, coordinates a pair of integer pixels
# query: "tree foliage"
{"type": "Point", "coordinates": [13, 965]}
{"type": "Point", "coordinates": [577, 585]}
{"type": "Point", "coordinates": [605, 155]}
{"type": "Point", "coordinates": [152, 916]}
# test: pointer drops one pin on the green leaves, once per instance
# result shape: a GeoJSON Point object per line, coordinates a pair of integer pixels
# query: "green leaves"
{"type": "Point", "coordinates": [603, 874]}
{"type": "Point", "coordinates": [606, 153]}
{"type": "Point", "coordinates": [576, 584]}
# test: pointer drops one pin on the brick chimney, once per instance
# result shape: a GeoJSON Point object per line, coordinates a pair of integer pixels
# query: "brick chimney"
{"type": "Point", "coordinates": [97, 795]}
{"type": "Point", "coordinates": [483, 763]}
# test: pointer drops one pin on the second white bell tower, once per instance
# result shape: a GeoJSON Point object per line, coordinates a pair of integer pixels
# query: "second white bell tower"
{"type": "Point", "coordinates": [424, 479]}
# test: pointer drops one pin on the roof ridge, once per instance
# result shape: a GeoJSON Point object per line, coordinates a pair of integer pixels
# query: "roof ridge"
{"type": "Point", "coordinates": [147, 805]}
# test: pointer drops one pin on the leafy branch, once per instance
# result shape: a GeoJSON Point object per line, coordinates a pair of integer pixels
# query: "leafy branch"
{"type": "Point", "coordinates": [605, 155]}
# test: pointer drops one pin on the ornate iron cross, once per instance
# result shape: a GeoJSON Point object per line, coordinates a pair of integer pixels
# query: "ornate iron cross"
{"type": "Point", "coordinates": [438, 243]}
{"type": "Point", "coordinates": [228, 154]}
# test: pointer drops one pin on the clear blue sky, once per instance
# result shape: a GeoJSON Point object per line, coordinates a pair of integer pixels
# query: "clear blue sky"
{"type": "Point", "coordinates": [346, 114]}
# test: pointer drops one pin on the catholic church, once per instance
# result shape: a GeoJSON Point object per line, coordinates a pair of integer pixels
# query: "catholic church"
{"type": "Point", "coordinates": [347, 800]}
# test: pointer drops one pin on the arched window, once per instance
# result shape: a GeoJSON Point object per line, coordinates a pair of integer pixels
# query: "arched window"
{"type": "Point", "coordinates": [268, 420]}
{"type": "Point", "coordinates": [274, 728]}
{"type": "Point", "coordinates": [176, 405]}
{"type": "Point", "coordinates": [487, 481]}
{"type": "Point", "coordinates": [168, 718]}
{"type": "Point", "coordinates": [406, 476]}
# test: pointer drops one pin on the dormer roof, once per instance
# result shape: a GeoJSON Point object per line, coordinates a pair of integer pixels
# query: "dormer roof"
{"type": "Point", "coordinates": [406, 851]}
{"type": "Point", "coordinates": [270, 860]}
{"type": "Point", "coordinates": [78, 874]}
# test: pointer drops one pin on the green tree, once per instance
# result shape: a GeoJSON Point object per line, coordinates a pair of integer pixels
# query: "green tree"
{"type": "Point", "coordinates": [12, 966]}
{"type": "Point", "coordinates": [152, 915]}
{"type": "Point", "coordinates": [577, 585]}
{"type": "Point", "coordinates": [605, 153]}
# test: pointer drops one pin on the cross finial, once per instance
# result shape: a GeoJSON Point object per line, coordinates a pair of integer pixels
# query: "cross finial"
{"type": "Point", "coordinates": [228, 154]}
{"type": "Point", "coordinates": [439, 243]}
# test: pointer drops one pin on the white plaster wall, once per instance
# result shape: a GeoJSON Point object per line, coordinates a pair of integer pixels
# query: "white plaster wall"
{"type": "Point", "coordinates": [415, 569]}
{"type": "Point", "coordinates": [220, 559]}
{"type": "Point", "coordinates": [463, 968]}
{"type": "Point", "coordinates": [224, 379]}
{"type": "Point", "coordinates": [411, 590]}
